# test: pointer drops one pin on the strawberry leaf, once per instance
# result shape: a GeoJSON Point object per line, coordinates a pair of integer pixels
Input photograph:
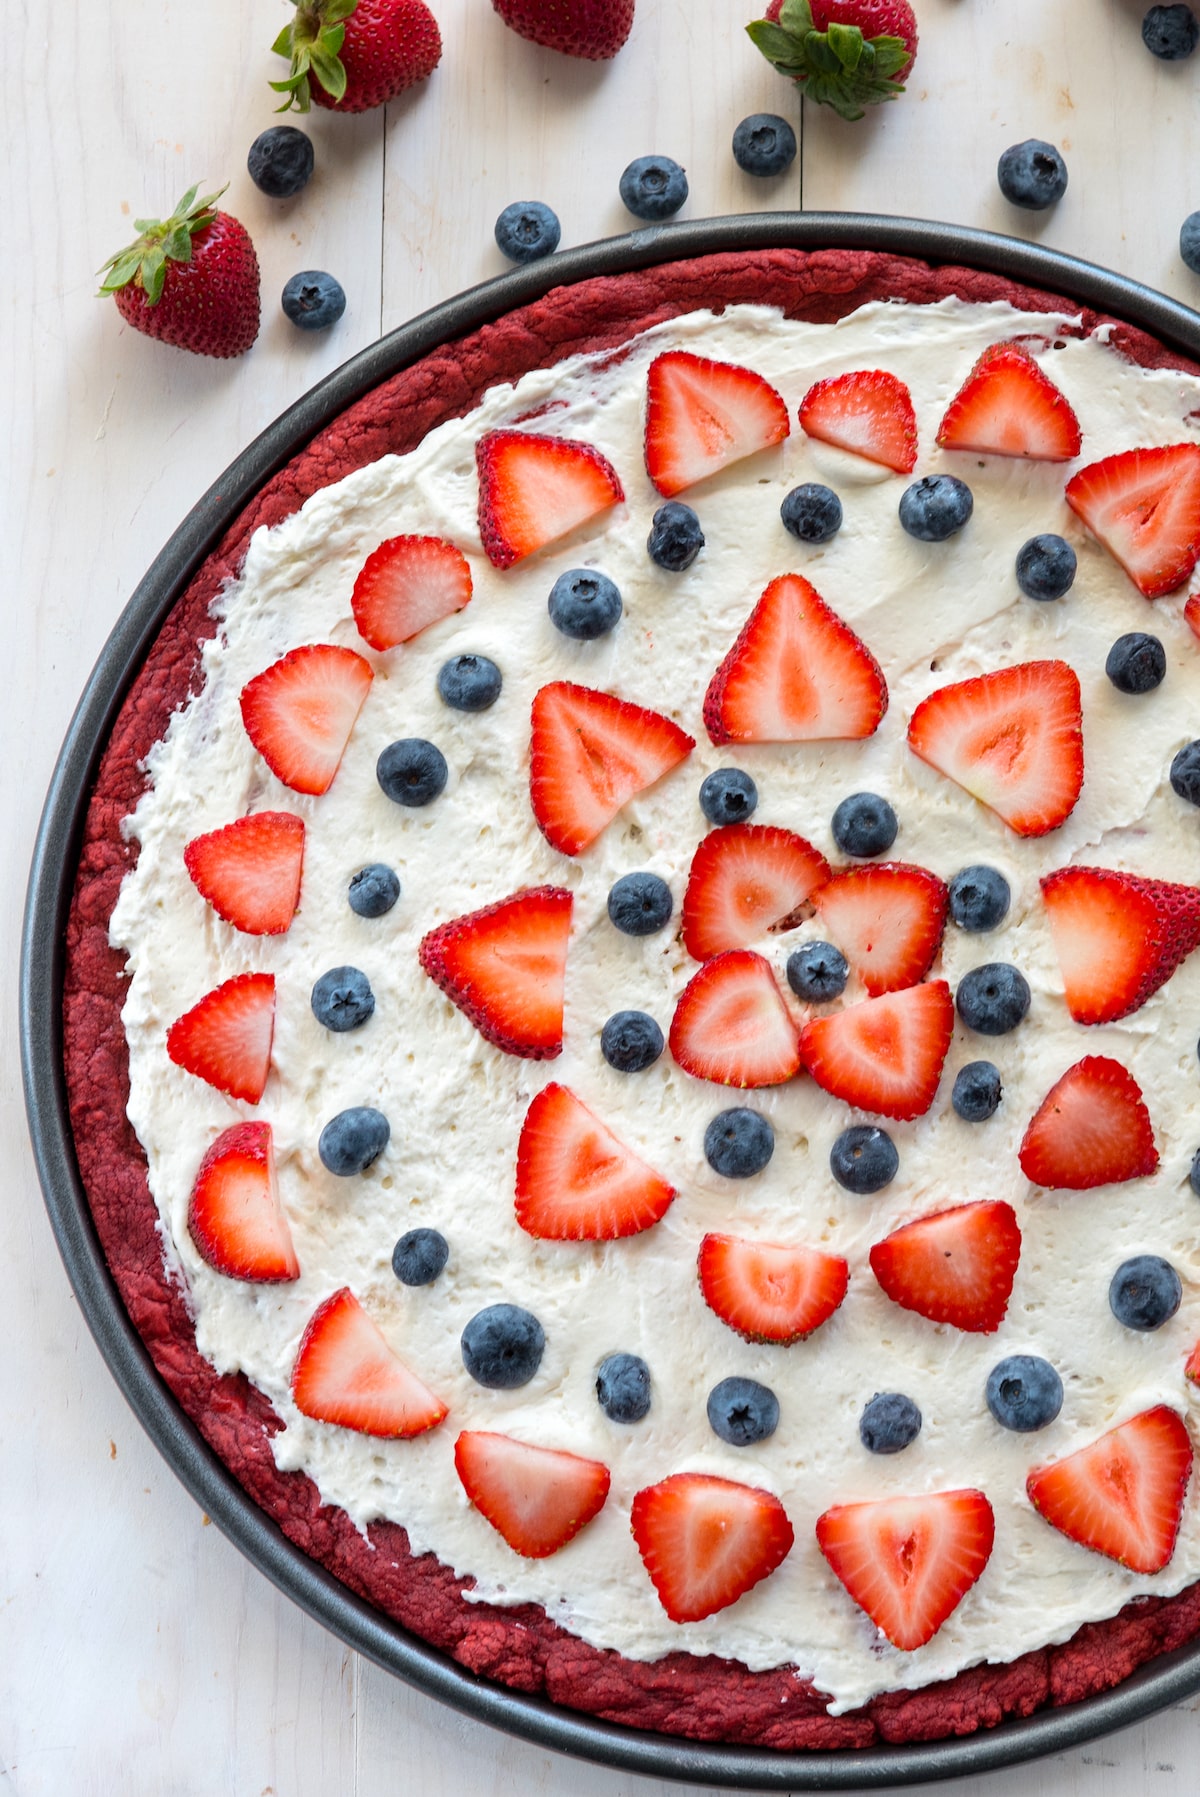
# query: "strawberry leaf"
{"type": "Point", "coordinates": [160, 242]}
{"type": "Point", "coordinates": [836, 67]}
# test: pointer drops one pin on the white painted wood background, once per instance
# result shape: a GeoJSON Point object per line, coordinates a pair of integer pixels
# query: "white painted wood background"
{"type": "Point", "coordinates": [138, 1653]}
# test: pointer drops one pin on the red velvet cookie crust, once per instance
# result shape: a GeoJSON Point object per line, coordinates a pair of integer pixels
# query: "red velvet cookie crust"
{"type": "Point", "coordinates": [702, 1698]}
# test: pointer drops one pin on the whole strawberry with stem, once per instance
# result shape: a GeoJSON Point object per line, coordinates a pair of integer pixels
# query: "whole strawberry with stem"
{"type": "Point", "coordinates": [351, 55]}
{"type": "Point", "coordinates": [594, 29]}
{"type": "Point", "coordinates": [190, 279]}
{"type": "Point", "coordinates": [848, 54]}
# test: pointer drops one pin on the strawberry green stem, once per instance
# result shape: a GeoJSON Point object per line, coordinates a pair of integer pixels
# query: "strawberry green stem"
{"type": "Point", "coordinates": [144, 263]}
{"type": "Point", "coordinates": [837, 67]}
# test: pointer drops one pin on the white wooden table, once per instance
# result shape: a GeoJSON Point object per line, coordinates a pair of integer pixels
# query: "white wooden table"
{"type": "Point", "coordinates": [138, 1652]}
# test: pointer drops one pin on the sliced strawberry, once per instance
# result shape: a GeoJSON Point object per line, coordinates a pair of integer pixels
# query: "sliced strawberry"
{"type": "Point", "coordinates": [705, 1541]}
{"type": "Point", "coordinates": [1013, 740]}
{"type": "Point", "coordinates": [886, 1054]}
{"type": "Point", "coordinates": [956, 1266]}
{"type": "Point", "coordinates": [407, 584]}
{"type": "Point", "coordinates": [1007, 406]}
{"type": "Point", "coordinates": [1144, 506]}
{"type": "Point", "coordinates": [300, 711]}
{"type": "Point", "coordinates": [747, 880]}
{"type": "Point", "coordinates": [533, 490]}
{"type": "Point", "coordinates": [576, 1180]}
{"type": "Point", "coordinates": [1091, 1129]}
{"type": "Point", "coordinates": [589, 754]}
{"type": "Point", "coordinates": [887, 919]}
{"type": "Point", "coordinates": [732, 1026]}
{"type": "Point", "coordinates": [868, 412]}
{"type": "Point", "coordinates": [1118, 937]}
{"type": "Point", "coordinates": [909, 1561]}
{"type": "Point", "coordinates": [767, 1292]}
{"type": "Point", "coordinates": [234, 1214]}
{"type": "Point", "coordinates": [1122, 1495]}
{"type": "Point", "coordinates": [226, 1038]}
{"type": "Point", "coordinates": [345, 1373]}
{"type": "Point", "coordinates": [1191, 613]}
{"type": "Point", "coordinates": [505, 968]}
{"type": "Point", "coordinates": [1192, 1369]}
{"type": "Point", "coordinates": [796, 673]}
{"type": "Point", "coordinates": [702, 415]}
{"type": "Point", "coordinates": [538, 1499]}
{"type": "Point", "coordinates": [250, 871]}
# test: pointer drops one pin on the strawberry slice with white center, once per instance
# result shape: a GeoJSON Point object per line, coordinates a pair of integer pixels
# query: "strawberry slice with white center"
{"type": "Point", "coordinates": [869, 412]}
{"type": "Point", "coordinates": [886, 1054]}
{"type": "Point", "coordinates": [534, 490]}
{"type": "Point", "coordinates": [538, 1499]}
{"type": "Point", "coordinates": [1192, 1369]}
{"type": "Point", "coordinates": [250, 871]}
{"type": "Point", "coordinates": [234, 1214]}
{"type": "Point", "coordinates": [732, 1026]}
{"type": "Point", "coordinates": [1091, 1129]}
{"type": "Point", "coordinates": [1191, 613]}
{"type": "Point", "coordinates": [909, 1561]}
{"type": "Point", "coordinates": [346, 1374]}
{"type": "Point", "coordinates": [1008, 406]}
{"type": "Point", "coordinates": [1118, 937]}
{"type": "Point", "coordinates": [705, 1541]}
{"type": "Point", "coordinates": [1012, 739]}
{"type": "Point", "coordinates": [1144, 506]}
{"type": "Point", "coordinates": [505, 968]}
{"type": "Point", "coordinates": [576, 1180]}
{"type": "Point", "coordinates": [768, 1292]}
{"type": "Point", "coordinates": [1122, 1495]}
{"type": "Point", "coordinates": [745, 881]}
{"type": "Point", "coordinates": [796, 673]}
{"type": "Point", "coordinates": [703, 415]}
{"type": "Point", "coordinates": [226, 1038]}
{"type": "Point", "coordinates": [887, 919]}
{"type": "Point", "coordinates": [300, 711]}
{"type": "Point", "coordinates": [589, 754]}
{"type": "Point", "coordinates": [407, 584]}
{"type": "Point", "coordinates": [955, 1267]}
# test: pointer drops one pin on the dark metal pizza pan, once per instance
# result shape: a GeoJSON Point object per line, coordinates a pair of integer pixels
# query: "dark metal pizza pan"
{"type": "Point", "coordinates": [1164, 1681]}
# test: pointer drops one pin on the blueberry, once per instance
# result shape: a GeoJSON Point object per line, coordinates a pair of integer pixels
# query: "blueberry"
{"type": "Point", "coordinates": [1170, 32]}
{"type": "Point", "coordinates": [313, 300]}
{"type": "Point", "coordinates": [1189, 241]}
{"type": "Point", "coordinates": [817, 972]}
{"type": "Point", "coordinates": [728, 797]}
{"type": "Point", "coordinates": [738, 1143]}
{"type": "Point", "coordinates": [1136, 663]}
{"type": "Point", "coordinates": [502, 1346]}
{"type": "Point", "coordinates": [1032, 175]}
{"type": "Point", "coordinates": [976, 1091]}
{"type": "Point", "coordinates": [889, 1423]}
{"type": "Point", "coordinates": [864, 1159]}
{"type": "Point", "coordinates": [741, 1411]}
{"type": "Point", "coordinates": [676, 538]}
{"type": "Point", "coordinates": [1045, 567]}
{"type": "Point", "coordinates": [373, 890]}
{"type": "Point", "coordinates": [420, 1256]}
{"type": "Point", "coordinates": [1024, 1392]}
{"type": "Point", "coordinates": [342, 999]}
{"type": "Point", "coordinates": [1145, 1292]}
{"type": "Point", "coordinates": [935, 506]}
{"type": "Point", "coordinates": [469, 682]}
{"type": "Point", "coordinates": [1194, 1173]}
{"type": "Point", "coordinates": [353, 1139]}
{"type": "Point", "coordinates": [584, 604]}
{"type": "Point", "coordinates": [812, 512]}
{"type": "Point", "coordinates": [992, 1000]}
{"type": "Point", "coordinates": [623, 1388]}
{"type": "Point", "coordinates": [979, 898]}
{"type": "Point", "coordinates": [1185, 773]}
{"type": "Point", "coordinates": [280, 161]}
{"type": "Point", "coordinates": [764, 144]}
{"type": "Point", "coordinates": [653, 187]}
{"type": "Point", "coordinates": [864, 825]}
{"type": "Point", "coordinates": [639, 904]}
{"type": "Point", "coordinates": [527, 230]}
{"type": "Point", "coordinates": [630, 1041]}
{"type": "Point", "coordinates": [411, 771]}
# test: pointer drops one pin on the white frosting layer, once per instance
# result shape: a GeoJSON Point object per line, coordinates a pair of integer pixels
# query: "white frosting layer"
{"type": "Point", "coordinates": [931, 614]}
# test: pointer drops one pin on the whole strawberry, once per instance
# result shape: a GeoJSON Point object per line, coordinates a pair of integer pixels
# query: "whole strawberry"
{"type": "Point", "coordinates": [352, 55]}
{"type": "Point", "coordinates": [595, 29]}
{"type": "Point", "coordinates": [848, 54]}
{"type": "Point", "coordinates": [190, 280]}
